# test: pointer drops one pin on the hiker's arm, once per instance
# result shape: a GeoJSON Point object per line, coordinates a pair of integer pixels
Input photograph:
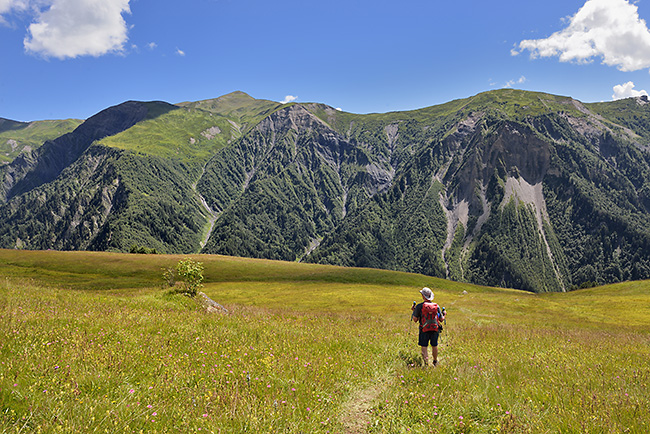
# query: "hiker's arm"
{"type": "Point", "coordinates": [415, 316]}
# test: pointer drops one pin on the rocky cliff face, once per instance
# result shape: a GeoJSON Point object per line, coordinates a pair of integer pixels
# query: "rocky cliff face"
{"type": "Point", "coordinates": [294, 175]}
{"type": "Point", "coordinates": [520, 226]}
{"type": "Point", "coordinates": [68, 214]}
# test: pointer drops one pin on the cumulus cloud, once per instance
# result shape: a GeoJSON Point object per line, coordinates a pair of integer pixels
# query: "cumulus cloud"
{"type": "Point", "coordinates": [609, 29]}
{"type": "Point", "coordinates": [152, 45]}
{"type": "Point", "coordinates": [626, 90]}
{"type": "Point", "coordinates": [180, 52]}
{"type": "Point", "coordinates": [289, 98]}
{"type": "Point", "coordinates": [72, 28]}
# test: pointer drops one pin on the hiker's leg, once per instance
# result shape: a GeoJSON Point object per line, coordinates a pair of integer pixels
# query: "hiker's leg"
{"type": "Point", "coordinates": [434, 348]}
{"type": "Point", "coordinates": [423, 342]}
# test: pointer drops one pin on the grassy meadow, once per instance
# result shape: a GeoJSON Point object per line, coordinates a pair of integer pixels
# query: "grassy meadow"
{"type": "Point", "coordinates": [92, 343]}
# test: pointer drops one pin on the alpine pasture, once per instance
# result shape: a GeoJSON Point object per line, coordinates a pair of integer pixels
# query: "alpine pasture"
{"type": "Point", "coordinates": [92, 342]}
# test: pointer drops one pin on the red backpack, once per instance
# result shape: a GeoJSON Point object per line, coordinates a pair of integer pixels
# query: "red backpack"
{"type": "Point", "coordinates": [429, 317]}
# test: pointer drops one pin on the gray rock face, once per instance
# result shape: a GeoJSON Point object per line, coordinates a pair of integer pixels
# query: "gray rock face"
{"type": "Point", "coordinates": [296, 158]}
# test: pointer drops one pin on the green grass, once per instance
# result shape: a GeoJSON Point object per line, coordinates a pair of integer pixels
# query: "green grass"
{"type": "Point", "coordinates": [91, 342]}
{"type": "Point", "coordinates": [513, 103]}
{"type": "Point", "coordinates": [238, 107]}
{"type": "Point", "coordinates": [626, 113]}
{"type": "Point", "coordinates": [180, 134]}
{"type": "Point", "coordinates": [32, 135]}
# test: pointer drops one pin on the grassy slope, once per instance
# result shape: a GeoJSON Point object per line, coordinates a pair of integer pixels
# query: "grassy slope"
{"type": "Point", "coordinates": [188, 133]}
{"type": "Point", "coordinates": [512, 103]}
{"type": "Point", "coordinates": [32, 135]}
{"type": "Point", "coordinates": [308, 348]}
{"type": "Point", "coordinates": [627, 113]}
{"type": "Point", "coordinates": [242, 109]}
{"type": "Point", "coordinates": [179, 134]}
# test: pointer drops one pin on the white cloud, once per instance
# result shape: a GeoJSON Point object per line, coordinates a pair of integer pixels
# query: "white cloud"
{"type": "Point", "coordinates": [71, 28]}
{"type": "Point", "coordinates": [626, 91]}
{"type": "Point", "coordinates": [511, 83]}
{"type": "Point", "coordinates": [289, 98]}
{"type": "Point", "coordinates": [180, 52]}
{"type": "Point", "coordinates": [609, 29]}
{"type": "Point", "coordinates": [152, 45]}
{"type": "Point", "coordinates": [7, 6]}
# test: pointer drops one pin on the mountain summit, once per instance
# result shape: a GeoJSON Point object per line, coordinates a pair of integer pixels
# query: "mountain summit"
{"type": "Point", "coordinates": [506, 188]}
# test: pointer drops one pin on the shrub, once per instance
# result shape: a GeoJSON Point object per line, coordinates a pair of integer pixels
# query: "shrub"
{"type": "Point", "coordinates": [190, 274]}
{"type": "Point", "coordinates": [136, 248]}
{"type": "Point", "coordinates": [169, 277]}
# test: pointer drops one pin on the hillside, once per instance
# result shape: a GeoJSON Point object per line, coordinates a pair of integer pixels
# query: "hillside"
{"type": "Point", "coordinates": [23, 137]}
{"type": "Point", "coordinates": [506, 188]}
{"type": "Point", "coordinates": [91, 342]}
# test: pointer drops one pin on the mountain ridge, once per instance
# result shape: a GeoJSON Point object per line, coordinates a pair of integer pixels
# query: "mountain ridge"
{"type": "Point", "coordinates": [505, 188]}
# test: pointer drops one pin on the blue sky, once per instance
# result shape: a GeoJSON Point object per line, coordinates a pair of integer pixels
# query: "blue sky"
{"type": "Point", "coordinates": [73, 58]}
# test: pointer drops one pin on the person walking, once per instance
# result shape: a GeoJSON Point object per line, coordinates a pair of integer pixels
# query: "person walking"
{"type": "Point", "coordinates": [429, 315]}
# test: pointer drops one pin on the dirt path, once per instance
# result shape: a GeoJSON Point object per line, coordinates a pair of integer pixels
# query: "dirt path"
{"type": "Point", "coordinates": [355, 413]}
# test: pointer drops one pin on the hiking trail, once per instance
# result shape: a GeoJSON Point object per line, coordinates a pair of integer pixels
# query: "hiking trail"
{"type": "Point", "coordinates": [355, 413]}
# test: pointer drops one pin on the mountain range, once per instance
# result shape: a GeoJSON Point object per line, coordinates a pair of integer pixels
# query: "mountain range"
{"type": "Point", "coordinates": [506, 188]}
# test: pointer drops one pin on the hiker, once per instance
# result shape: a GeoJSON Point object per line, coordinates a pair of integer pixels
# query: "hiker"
{"type": "Point", "coordinates": [429, 315]}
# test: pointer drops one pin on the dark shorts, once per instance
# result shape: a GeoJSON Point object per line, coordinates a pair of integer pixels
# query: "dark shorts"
{"type": "Point", "coordinates": [425, 337]}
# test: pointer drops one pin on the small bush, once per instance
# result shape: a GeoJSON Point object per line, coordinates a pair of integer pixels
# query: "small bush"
{"type": "Point", "coordinates": [136, 248]}
{"type": "Point", "coordinates": [189, 275]}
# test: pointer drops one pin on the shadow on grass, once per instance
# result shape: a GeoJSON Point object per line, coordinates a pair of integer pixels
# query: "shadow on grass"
{"type": "Point", "coordinates": [410, 360]}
